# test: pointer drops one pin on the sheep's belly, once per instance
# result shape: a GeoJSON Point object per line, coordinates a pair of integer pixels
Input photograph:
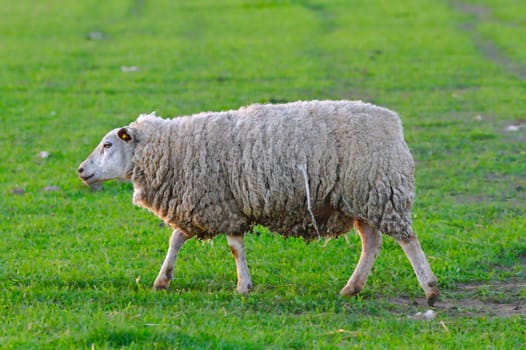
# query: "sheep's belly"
{"type": "Point", "coordinates": [325, 223]}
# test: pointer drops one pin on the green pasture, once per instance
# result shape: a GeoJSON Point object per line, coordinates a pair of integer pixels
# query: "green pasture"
{"type": "Point", "coordinates": [76, 267]}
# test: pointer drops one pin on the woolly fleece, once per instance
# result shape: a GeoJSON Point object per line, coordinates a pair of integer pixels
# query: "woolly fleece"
{"type": "Point", "coordinates": [223, 172]}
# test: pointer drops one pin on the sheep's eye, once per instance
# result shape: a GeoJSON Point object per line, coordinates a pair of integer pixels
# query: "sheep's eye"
{"type": "Point", "coordinates": [107, 145]}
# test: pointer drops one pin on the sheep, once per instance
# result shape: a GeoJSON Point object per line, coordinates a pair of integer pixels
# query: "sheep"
{"type": "Point", "coordinates": [309, 168]}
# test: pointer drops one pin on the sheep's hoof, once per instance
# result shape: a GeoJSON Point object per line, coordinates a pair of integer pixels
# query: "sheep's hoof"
{"type": "Point", "coordinates": [432, 298]}
{"type": "Point", "coordinates": [350, 290]}
{"type": "Point", "coordinates": [159, 288]}
{"type": "Point", "coordinates": [161, 284]}
{"type": "Point", "coordinates": [244, 290]}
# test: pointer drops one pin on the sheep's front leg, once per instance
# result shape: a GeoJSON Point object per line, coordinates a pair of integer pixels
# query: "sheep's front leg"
{"type": "Point", "coordinates": [371, 243]}
{"type": "Point", "coordinates": [237, 247]}
{"type": "Point", "coordinates": [426, 278]}
{"type": "Point", "coordinates": [165, 275]}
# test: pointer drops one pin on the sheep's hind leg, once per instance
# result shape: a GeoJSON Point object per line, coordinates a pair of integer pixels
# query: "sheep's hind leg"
{"type": "Point", "coordinates": [371, 243]}
{"type": "Point", "coordinates": [166, 273]}
{"type": "Point", "coordinates": [416, 256]}
{"type": "Point", "coordinates": [237, 247]}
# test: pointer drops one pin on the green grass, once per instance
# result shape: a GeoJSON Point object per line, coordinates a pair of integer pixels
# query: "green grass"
{"type": "Point", "coordinates": [76, 267]}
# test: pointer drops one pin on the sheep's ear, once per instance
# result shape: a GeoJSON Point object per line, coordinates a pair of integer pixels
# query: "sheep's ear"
{"type": "Point", "coordinates": [124, 135]}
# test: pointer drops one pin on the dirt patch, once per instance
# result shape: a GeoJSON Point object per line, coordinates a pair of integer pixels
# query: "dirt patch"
{"type": "Point", "coordinates": [493, 53]}
{"type": "Point", "coordinates": [480, 11]}
{"type": "Point", "coordinates": [500, 299]}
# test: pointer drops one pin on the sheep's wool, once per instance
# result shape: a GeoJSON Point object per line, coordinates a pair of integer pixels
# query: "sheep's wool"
{"type": "Point", "coordinates": [304, 169]}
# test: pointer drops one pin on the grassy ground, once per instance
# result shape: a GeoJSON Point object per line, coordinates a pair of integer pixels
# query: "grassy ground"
{"type": "Point", "coordinates": [76, 267]}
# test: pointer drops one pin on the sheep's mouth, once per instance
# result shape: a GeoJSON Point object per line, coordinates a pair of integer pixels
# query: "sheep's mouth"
{"type": "Point", "coordinates": [86, 178]}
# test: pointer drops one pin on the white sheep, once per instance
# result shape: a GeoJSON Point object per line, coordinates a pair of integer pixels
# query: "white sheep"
{"type": "Point", "coordinates": [308, 169]}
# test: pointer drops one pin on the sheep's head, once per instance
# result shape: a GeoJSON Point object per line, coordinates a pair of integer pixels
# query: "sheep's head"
{"type": "Point", "coordinates": [111, 159]}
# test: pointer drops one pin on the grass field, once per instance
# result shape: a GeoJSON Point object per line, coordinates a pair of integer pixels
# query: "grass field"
{"type": "Point", "coordinates": [76, 267]}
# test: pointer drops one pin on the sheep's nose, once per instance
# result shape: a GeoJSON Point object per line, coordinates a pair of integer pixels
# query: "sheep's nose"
{"type": "Point", "coordinates": [81, 170]}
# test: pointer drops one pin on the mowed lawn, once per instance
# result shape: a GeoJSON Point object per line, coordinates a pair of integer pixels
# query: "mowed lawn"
{"type": "Point", "coordinates": [76, 267]}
